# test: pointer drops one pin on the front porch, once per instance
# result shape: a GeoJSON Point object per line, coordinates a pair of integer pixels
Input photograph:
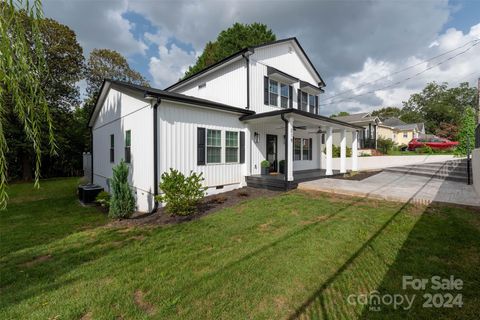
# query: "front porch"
{"type": "Point", "coordinates": [296, 146]}
{"type": "Point", "coordinates": [277, 181]}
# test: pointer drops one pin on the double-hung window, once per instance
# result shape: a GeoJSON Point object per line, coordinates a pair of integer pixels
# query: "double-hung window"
{"type": "Point", "coordinates": [112, 148]}
{"type": "Point", "coordinates": [304, 101]}
{"type": "Point", "coordinates": [128, 144]}
{"type": "Point", "coordinates": [284, 95]}
{"type": "Point", "coordinates": [311, 103]}
{"type": "Point", "coordinates": [273, 89]}
{"type": "Point", "coordinates": [231, 146]}
{"type": "Point", "coordinates": [297, 149]}
{"type": "Point", "coordinates": [306, 149]}
{"type": "Point", "coordinates": [214, 146]}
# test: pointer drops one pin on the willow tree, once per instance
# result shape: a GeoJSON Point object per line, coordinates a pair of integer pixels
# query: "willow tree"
{"type": "Point", "coordinates": [22, 71]}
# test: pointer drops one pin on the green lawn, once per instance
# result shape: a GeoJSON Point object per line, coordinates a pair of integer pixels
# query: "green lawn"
{"type": "Point", "coordinates": [294, 255]}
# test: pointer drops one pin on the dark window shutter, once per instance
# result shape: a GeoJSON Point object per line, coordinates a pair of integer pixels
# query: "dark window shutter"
{"type": "Point", "coordinates": [201, 146]}
{"type": "Point", "coordinates": [290, 95]}
{"type": "Point", "coordinates": [316, 105]}
{"type": "Point", "coordinates": [299, 99]}
{"type": "Point", "coordinates": [242, 147]}
{"type": "Point", "coordinates": [310, 143]}
{"type": "Point", "coordinates": [265, 90]}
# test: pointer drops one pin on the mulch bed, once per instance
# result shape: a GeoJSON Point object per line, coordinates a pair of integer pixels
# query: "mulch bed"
{"type": "Point", "coordinates": [210, 204]}
{"type": "Point", "coordinates": [359, 176]}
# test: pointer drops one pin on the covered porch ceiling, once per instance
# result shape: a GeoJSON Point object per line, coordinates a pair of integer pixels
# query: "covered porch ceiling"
{"type": "Point", "coordinates": [301, 119]}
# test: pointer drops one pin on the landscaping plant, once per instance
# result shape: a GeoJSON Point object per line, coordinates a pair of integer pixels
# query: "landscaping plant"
{"type": "Point", "coordinates": [467, 132]}
{"type": "Point", "coordinates": [385, 145]}
{"type": "Point", "coordinates": [122, 202]}
{"type": "Point", "coordinates": [103, 199]}
{"type": "Point", "coordinates": [181, 193]}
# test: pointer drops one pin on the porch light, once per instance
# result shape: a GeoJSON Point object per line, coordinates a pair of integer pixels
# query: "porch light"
{"type": "Point", "coordinates": [256, 137]}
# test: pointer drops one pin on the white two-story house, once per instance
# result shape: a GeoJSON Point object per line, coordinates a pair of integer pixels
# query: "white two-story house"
{"type": "Point", "coordinates": [261, 103]}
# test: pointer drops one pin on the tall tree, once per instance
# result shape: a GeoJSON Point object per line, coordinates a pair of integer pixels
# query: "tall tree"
{"type": "Point", "coordinates": [105, 63]}
{"type": "Point", "coordinates": [22, 71]}
{"type": "Point", "coordinates": [64, 65]}
{"type": "Point", "coordinates": [437, 103]}
{"type": "Point", "coordinates": [231, 40]}
{"type": "Point", "coordinates": [388, 112]}
{"type": "Point", "coordinates": [340, 114]}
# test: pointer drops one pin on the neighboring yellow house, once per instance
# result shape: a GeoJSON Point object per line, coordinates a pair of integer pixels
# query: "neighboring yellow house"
{"type": "Point", "coordinates": [399, 131]}
{"type": "Point", "coordinates": [391, 128]}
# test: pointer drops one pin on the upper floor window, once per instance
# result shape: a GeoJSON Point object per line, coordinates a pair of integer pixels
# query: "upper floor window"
{"type": "Point", "coordinates": [273, 89]}
{"type": "Point", "coordinates": [311, 103]}
{"type": "Point", "coordinates": [304, 101]}
{"type": "Point", "coordinates": [284, 93]}
{"type": "Point", "coordinates": [405, 134]}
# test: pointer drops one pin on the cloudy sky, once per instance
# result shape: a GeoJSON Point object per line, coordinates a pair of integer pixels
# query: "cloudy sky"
{"type": "Point", "coordinates": [351, 43]}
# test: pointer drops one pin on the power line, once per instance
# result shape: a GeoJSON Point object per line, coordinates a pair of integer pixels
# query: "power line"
{"type": "Point", "coordinates": [475, 42]}
{"type": "Point", "coordinates": [405, 79]}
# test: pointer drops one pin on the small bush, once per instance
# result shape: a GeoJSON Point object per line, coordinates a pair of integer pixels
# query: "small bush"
{"type": "Point", "coordinates": [336, 151]}
{"type": "Point", "coordinates": [103, 199]}
{"type": "Point", "coordinates": [385, 145]}
{"type": "Point", "coordinates": [424, 150]}
{"type": "Point", "coordinates": [265, 164]}
{"type": "Point", "coordinates": [180, 193]}
{"type": "Point", "coordinates": [122, 202]}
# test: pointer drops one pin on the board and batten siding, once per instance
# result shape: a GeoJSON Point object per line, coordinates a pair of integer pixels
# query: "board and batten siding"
{"type": "Point", "coordinates": [259, 149]}
{"type": "Point", "coordinates": [121, 112]}
{"type": "Point", "coordinates": [178, 125]}
{"type": "Point", "coordinates": [283, 57]}
{"type": "Point", "coordinates": [226, 85]}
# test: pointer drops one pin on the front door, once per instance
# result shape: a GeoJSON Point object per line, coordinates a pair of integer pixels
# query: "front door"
{"type": "Point", "coordinates": [272, 152]}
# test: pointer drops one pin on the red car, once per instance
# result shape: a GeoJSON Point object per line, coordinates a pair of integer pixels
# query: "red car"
{"type": "Point", "coordinates": [434, 143]}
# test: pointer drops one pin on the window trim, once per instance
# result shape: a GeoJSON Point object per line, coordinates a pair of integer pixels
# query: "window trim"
{"type": "Point", "coordinates": [207, 146]}
{"type": "Point", "coordinates": [229, 147]}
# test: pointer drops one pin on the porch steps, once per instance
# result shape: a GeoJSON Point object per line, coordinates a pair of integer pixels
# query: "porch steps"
{"type": "Point", "coordinates": [454, 170]}
{"type": "Point", "coordinates": [270, 184]}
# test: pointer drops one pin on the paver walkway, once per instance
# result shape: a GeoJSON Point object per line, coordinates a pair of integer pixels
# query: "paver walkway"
{"type": "Point", "coordinates": [400, 187]}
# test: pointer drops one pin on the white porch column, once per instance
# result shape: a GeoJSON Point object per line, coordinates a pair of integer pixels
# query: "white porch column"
{"type": "Point", "coordinates": [329, 142]}
{"type": "Point", "coordinates": [290, 150]}
{"type": "Point", "coordinates": [343, 151]}
{"type": "Point", "coordinates": [354, 151]}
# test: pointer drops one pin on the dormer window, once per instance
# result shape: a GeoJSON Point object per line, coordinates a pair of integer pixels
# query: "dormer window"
{"type": "Point", "coordinates": [304, 103]}
{"type": "Point", "coordinates": [273, 89]}
{"type": "Point", "coordinates": [311, 104]}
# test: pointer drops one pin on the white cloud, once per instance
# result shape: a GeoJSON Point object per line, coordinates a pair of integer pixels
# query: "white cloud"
{"type": "Point", "coordinates": [464, 68]}
{"type": "Point", "coordinates": [170, 65]}
{"type": "Point", "coordinates": [98, 24]}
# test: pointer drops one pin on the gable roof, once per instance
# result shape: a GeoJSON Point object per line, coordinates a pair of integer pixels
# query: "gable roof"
{"type": "Point", "coordinates": [243, 51]}
{"type": "Point", "coordinates": [357, 117]}
{"type": "Point", "coordinates": [145, 92]}
{"type": "Point", "coordinates": [392, 122]}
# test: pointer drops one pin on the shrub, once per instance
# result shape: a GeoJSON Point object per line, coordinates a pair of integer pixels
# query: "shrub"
{"type": "Point", "coordinates": [103, 199]}
{"type": "Point", "coordinates": [122, 202]}
{"type": "Point", "coordinates": [265, 164]}
{"type": "Point", "coordinates": [466, 135]}
{"type": "Point", "coordinates": [424, 150]}
{"type": "Point", "coordinates": [385, 145]}
{"type": "Point", "coordinates": [181, 193]}
{"type": "Point", "coordinates": [336, 151]}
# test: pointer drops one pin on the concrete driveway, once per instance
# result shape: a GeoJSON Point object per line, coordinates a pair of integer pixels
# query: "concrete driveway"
{"type": "Point", "coordinates": [399, 187]}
